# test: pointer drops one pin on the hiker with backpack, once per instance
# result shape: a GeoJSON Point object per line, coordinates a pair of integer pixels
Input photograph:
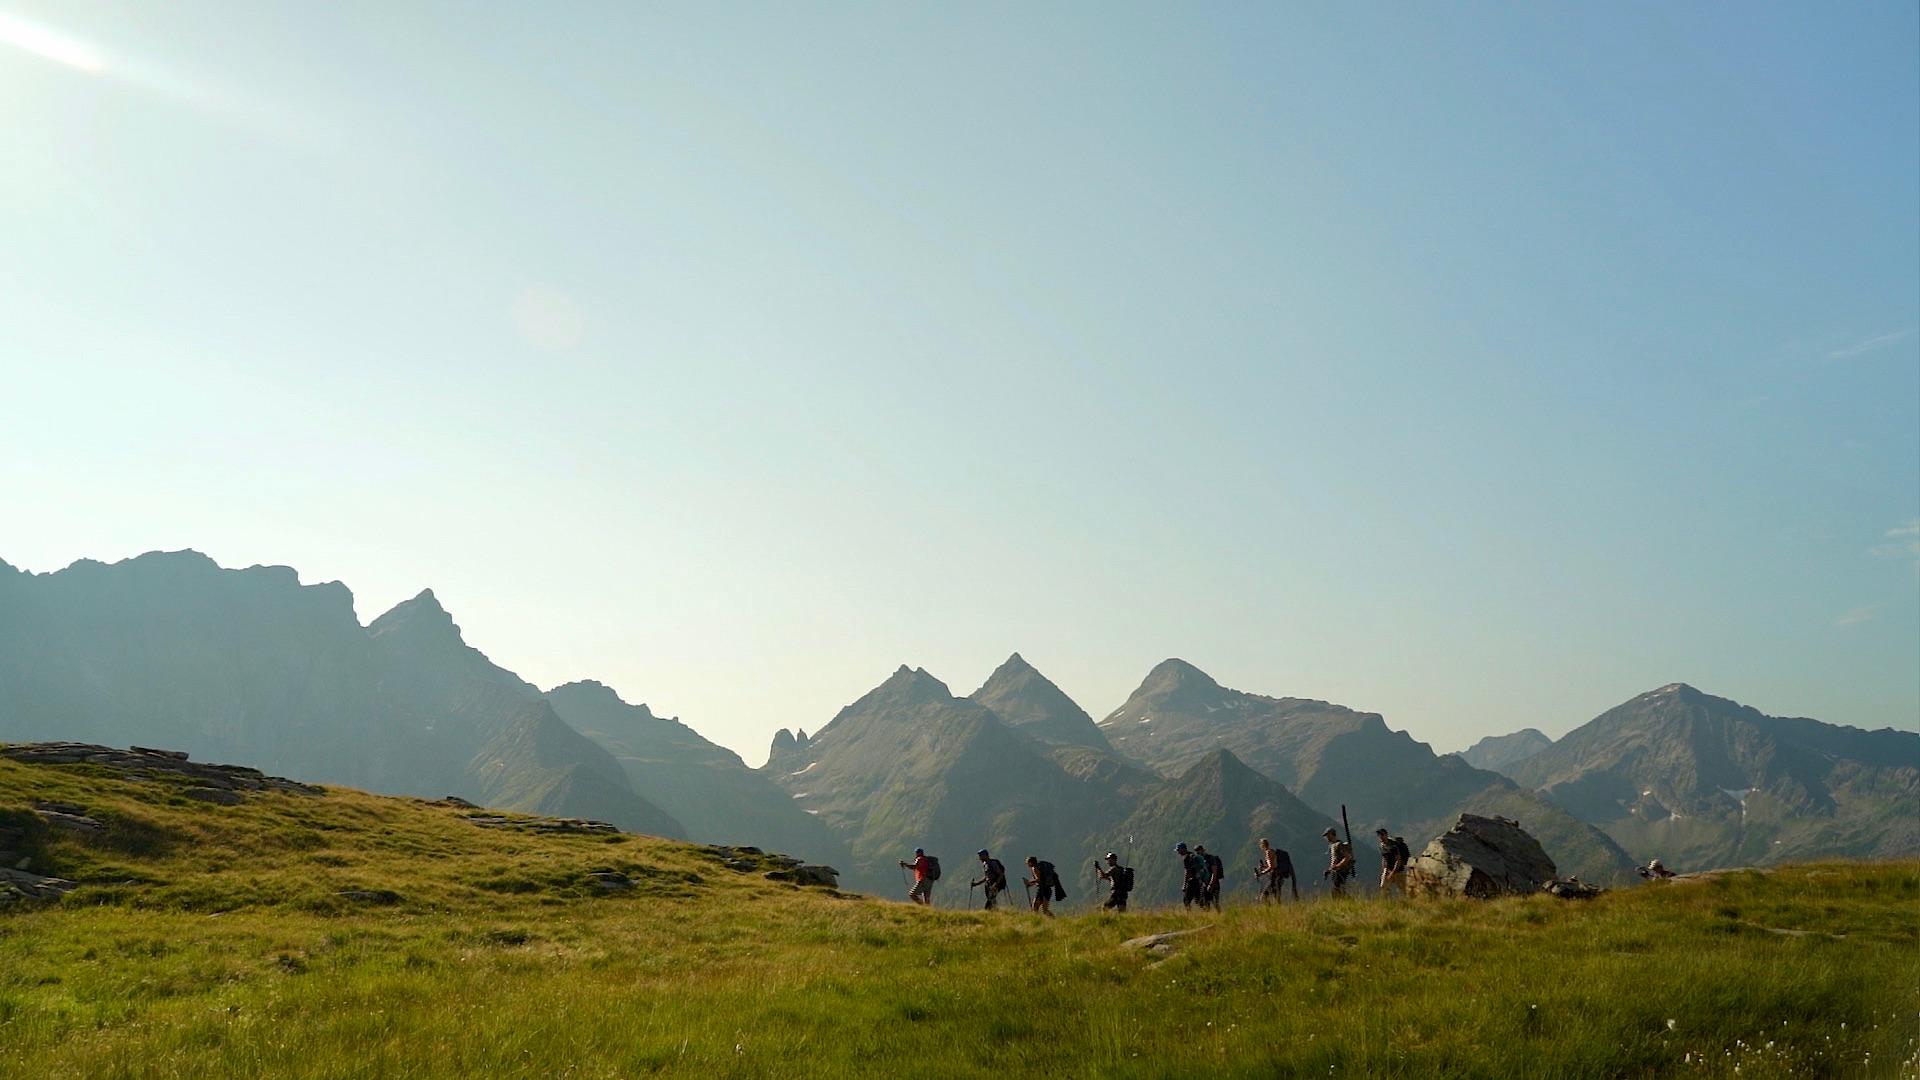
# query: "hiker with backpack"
{"type": "Point", "coordinates": [1276, 866]}
{"type": "Point", "coordinates": [1193, 880]}
{"type": "Point", "coordinates": [1339, 862]}
{"type": "Point", "coordinates": [1119, 879]}
{"type": "Point", "coordinates": [926, 871]}
{"type": "Point", "coordinates": [993, 874]}
{"type": "Point", "coordinates": [1394, 857]}
{"type": "Point", "coordinates": [1045, 885]}
{"type": "Point", "coordinates": [1216, 873]}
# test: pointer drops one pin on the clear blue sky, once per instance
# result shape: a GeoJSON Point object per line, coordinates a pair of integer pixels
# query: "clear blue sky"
{"type": "Point", "coordinates": [1479, 366]}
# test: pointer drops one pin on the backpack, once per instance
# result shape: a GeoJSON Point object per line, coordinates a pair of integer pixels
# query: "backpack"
{"type": "Point", "coordinates": [933, 868]}
{"type": "Point", "coordinates": [1123, 879]}
{"type": "Point", "coordinates": [1215, 867]}
{"type": "Point", "coordinates": [1049, 877]}
{"type": "Point", "coordinates": [997, 871]}
{"type": "Point", "coordinates": [1401, 853]}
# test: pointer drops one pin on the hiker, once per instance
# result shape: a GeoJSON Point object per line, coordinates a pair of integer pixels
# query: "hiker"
{"type": "Point", "coordinates": [1394, 857]}
{"type": "Point", "coordinates": [1193, 882]}
{"type": "Point", "coordinates": [1216, 872]}
{"type": "Point", "coordinates": [1119, 878]}
{"type": "Point", "coordinates": [1046, 885]}
{"type": "Point", "coordinates": [993, 874]}
{"type": "Point", "coordinates": [1339, 861]}
{"type": "Point", "coordinates": [925, 872]}
{"type": "Point", "coordinates": [1276, 866]}
{"type": "Point", "coordinates": [1656, 872]}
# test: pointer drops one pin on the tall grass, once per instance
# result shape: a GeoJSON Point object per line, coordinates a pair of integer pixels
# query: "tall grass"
{"type": "Point", "coordinates": [213, 942]}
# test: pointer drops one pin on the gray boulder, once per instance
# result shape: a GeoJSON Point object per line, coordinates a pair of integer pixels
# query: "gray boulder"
{"type": "Point", "coordinates": [1481, 857]}
{"type": "Point", "coordinates": [31, 886]}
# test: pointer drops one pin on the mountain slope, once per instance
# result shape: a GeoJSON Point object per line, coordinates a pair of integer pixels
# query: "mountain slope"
{"type": "Point", "coordinates": [705, 786]}
{"type": "Point", "coordinates": [1496, 752]}
{"type": "Point", "coordinates": [1701, 781]}
{"type": "Point", "coordinates": [911, 765]}
{"type": "Point", "coordinates": [1329, 755]}
{"type": "Point", "coordinates": [1222, 803]}
{"type": "Point", "coordinates": [169, 649]}
{"type": "Point", "coordinates": [1030, 703]}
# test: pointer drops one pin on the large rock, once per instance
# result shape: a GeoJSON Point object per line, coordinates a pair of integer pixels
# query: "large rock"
{"type": "Point", "coordinates": [1481, 857]}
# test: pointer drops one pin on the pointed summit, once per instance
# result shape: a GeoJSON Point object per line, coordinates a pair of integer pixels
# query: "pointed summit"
{"type": "Point", "coordinates": [1029, 701]}
{"type": "Point", "coordinates": [421, 612]}
{"type": "Point", "coordinates": [911, 686]}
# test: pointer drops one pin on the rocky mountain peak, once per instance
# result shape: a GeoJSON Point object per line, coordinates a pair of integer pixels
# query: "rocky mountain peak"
{"type": "Point", "coordinates": [421, 613]}
{"type": "Point", "coordinates": [596, 695]}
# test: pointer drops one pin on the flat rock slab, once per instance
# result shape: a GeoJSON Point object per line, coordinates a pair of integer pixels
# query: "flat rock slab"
{"type": "Point", "coordinates": [147, 762]}
{"type": "Point", "coordinates": [73, 823]}
{"type": "Point", "coordinates": [35, 886]}
{"type": "Point", "coordinates": [1161, 944]}
{"type": "Point", "coordinates": [543, 824]}
{"type": "Point", "coordinates": [217, 796]}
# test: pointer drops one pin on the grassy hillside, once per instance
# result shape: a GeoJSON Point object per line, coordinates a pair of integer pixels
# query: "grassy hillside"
{"type": "Point", "coordinates": [216, 941]}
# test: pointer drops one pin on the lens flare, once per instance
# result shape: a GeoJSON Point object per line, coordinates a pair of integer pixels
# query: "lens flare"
{"type": "Point", "coordinates": [50, 45]}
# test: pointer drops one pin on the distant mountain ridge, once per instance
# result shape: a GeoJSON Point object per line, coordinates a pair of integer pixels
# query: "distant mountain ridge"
{"type": "Point", "coordinates": [250, 666]}
{"type": "Point", "coordinates": [909, 764]}
{"type": "Point", "coordinates": [1497, 752]}
{"type": "Point", "coordinates": [1698, 780]}
{"type": "Point", "coordinates": [1330, 755]}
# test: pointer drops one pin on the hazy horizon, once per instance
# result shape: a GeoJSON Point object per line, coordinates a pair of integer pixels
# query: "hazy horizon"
{"type": "Point", "coordinates": [1481, 369]}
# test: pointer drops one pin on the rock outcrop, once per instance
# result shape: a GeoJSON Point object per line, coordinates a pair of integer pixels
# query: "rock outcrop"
{"type": "Point", "coordinates": [1481, 857]}
{"type": "Point", "coordinates": [147, 763]}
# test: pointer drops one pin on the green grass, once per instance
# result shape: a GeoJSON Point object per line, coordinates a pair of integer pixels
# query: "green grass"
{"type": "Point", "coordinates": [211, 941]}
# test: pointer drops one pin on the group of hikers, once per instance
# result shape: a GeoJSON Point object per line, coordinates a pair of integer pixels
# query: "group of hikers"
{"type": "Point", "coordinates": [1202, 874]}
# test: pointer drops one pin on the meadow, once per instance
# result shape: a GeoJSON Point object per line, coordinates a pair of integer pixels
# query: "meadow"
{"type": "Point", "coordinates": [352, 935]}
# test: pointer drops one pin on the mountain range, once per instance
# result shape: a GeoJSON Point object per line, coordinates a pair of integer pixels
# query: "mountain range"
{"type": "Point", "coordinates": [251, 666]}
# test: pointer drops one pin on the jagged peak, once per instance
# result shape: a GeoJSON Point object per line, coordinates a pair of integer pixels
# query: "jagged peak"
{"type": "Point", "coordinates": [915, 681]}
{"type": "Point", "coordinates": [420, 612]}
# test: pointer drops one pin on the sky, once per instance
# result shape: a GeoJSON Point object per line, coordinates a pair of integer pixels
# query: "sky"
{"type": "Point", "coordinates": [1482, 367]}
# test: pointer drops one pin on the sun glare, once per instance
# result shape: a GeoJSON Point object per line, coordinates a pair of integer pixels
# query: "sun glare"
{"type": "Point", "coordinates": [50, 45]}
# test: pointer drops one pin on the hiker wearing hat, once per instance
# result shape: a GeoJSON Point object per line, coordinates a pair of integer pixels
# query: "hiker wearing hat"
{"type": "Point", "coordinates": [993, 874]}
{"type": "Point", "coordinates": [923, 875]}
{"type": "Point", "coordinates": [1276, 866]}
{"type": "Point", "coordinates": [1339, 861]}
{"type": "Point", "coordinates": [1394, 857]}
{"type": "Point", "coordinates": [1193, 885]}
{"type": "Point", "coordinates": [1118, 878]}
{"type": "Point", "coordinates": [1044, 881]}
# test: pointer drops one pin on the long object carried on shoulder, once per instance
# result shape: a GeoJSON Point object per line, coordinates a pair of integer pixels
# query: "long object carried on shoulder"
{"type": "Point", "coordinates": [1351, 854]}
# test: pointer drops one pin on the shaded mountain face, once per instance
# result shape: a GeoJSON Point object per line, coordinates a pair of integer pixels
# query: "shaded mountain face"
{"type": "Point", "coordinates": [705, 786]}
{"type": "Point", "coordinates": [1223, 804]}
{"type": "Point", "coordinates": [1329, 755]}
{"type": "Point", "coordinates": [1700, 781]}
{"type": "Point", "coordinates": [1030, 703]}
{"type": "Point", "coordinates": [910, 765]}
{"type": "Point", "coordinates": [1497, 752]}
{"type": "Point", "coordinates": [169, 649]}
